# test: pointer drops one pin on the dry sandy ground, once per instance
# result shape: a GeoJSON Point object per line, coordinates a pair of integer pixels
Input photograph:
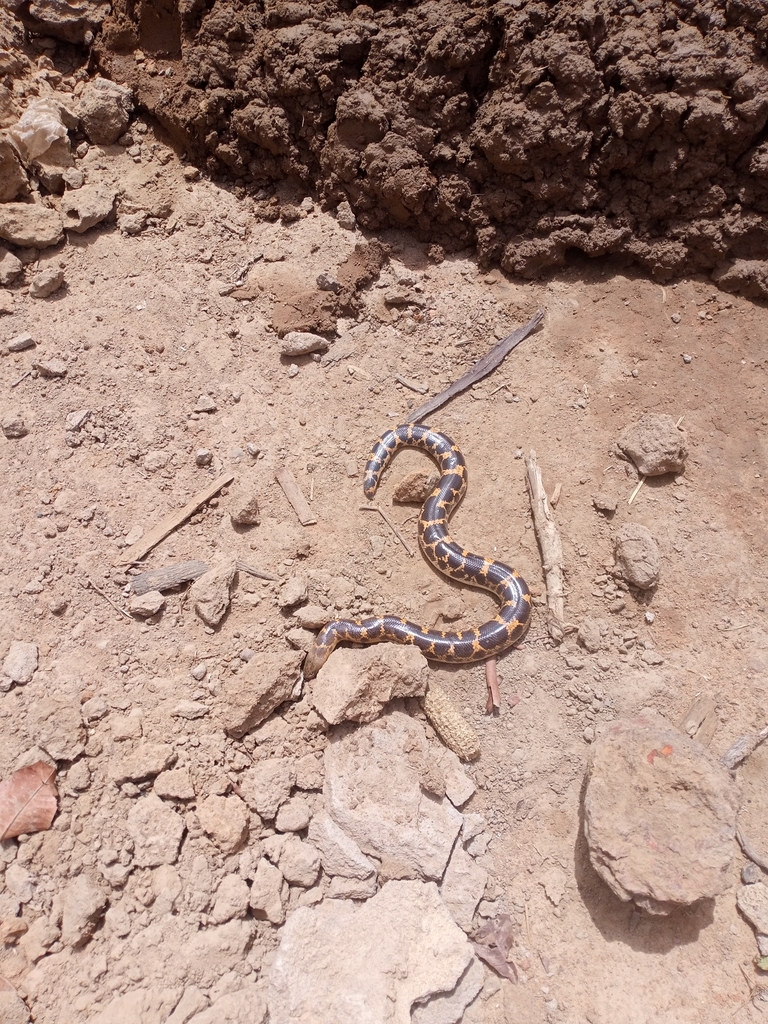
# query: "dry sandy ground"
{"type": "Point", "coordinates": [145, 330]}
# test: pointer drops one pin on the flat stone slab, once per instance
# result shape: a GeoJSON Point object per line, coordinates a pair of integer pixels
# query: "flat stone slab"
{"type": "Point", "coordinates": [368, 964]}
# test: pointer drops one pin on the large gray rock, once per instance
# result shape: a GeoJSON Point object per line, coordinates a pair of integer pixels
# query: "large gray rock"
{"type": "Point", "coordinates": [367, 964]}
{"type": "Point", "coordinates": [354, 685]}
{"type": "Point", "coordinates": [659, 814]}
{"type": "Point", "coordinates": [380, 783]}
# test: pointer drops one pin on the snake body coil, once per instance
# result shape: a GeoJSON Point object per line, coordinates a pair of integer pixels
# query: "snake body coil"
{"type": "Point", "coordinates": [485, 641]}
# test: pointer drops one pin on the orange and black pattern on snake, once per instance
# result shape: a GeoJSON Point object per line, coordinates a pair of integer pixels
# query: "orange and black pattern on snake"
{"type": "Point", "coordinates": [493, 637]}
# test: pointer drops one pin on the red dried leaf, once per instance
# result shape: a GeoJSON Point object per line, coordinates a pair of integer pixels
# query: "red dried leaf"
{"type": "Point", "coordinates": [28, 800]}
{"type": "Point", "coordinates": [495, 959]}
{"type": "Point", "coordinates": [492, 944]}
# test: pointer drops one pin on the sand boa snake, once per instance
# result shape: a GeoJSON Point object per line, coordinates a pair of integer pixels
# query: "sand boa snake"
{"type": "Point", "coordinates": [492, 637]}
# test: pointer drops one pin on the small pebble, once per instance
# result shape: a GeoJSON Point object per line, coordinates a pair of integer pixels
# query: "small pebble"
{"type": "Point", "coordinates": [246, 654]}
{"type": "Point", "coordinates": [687, 358]}
{"type": "Point", "coordinates": [675, 318]}
{"type": "Point", "coordinates": [293, 370]}
{"type": "Point", "coordinates": [203, 457]}
{"type": "Point", "coordinates": [751, 873]}
{"type": "Point", "coordinates": [589, 734]}
{"type": "Point", "coordinates": [650, 618]}
{"type": "Point", "coordinates": [198, 672]}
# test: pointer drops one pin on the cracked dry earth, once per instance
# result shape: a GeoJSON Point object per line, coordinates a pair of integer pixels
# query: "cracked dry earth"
{"type": "Point", "coordinates": [148, 323]}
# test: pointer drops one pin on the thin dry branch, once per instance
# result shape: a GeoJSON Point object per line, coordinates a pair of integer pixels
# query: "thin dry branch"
{"type": "Point", "coordinates": [551, 549]}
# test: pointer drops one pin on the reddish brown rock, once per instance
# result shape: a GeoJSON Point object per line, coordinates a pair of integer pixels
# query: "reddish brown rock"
{"type": "Point", "coordinates": [660, 815]}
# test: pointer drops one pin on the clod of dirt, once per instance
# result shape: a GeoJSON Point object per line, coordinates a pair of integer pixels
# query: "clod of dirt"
{"type": "Point", "coordinates": [20, 662]}
{"type": "Point", "coordinates": [415, 487]}
{"type": "Point", "coordinates": [13, 1009]}
{"type": "Point", "coordinates": [144, 605]}
{"type": "Point", "coordinates": [105, 110]}
{"type": "Point", "coordinates": [244, 507]}
{"type": "Point", "coordinates": [88, 206]}
{"type": "Point", "coordinates": [637, 556]}
{"type": "Point", "coordinates": [463, 886]}
{"type": "Point", "coordinates": [267, 785]}
{"type": "Point", "coordinates": [655, 444]}
{"type": "Point", "coordinates": [396, 950]}
{"type": "Point", "coordinates": [590, 635]}
{"type": "Point", "coordinates": [355, 685]}
{"type": "Point", "coordinates": [13, 180]}
{"type": "Point", "coordinates": [225, 819]}
{"type": "Point", "coordinates": [250, 697]}
{"type": "Point", "coordinates": [10, 268]}
{"type": "Point", "coordinates": [13, 425]}
{"type": "Point", "coordinates": [82, 904]}
{"type": "Point", "coordinates": [30, 225]}
{"type": "Point", "coordinates": [156, 830]}
{"type": "Point", "coordinates": [210, 593]}
{"type": "Point", "coordinates": [660, 815]}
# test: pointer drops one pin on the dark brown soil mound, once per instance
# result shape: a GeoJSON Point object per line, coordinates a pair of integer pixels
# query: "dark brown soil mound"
{"type": "Point", "coordinates": [524, 129]}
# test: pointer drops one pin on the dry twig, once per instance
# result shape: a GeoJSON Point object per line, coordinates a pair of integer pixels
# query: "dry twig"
{"type": "Point", "coordinates": [742, 748]}
{"type": "Point", "coordinates": [551, 551]}
{"type": "Point", "coordinates": [390, 523]}
{"type": "Point", "coordinates": [174, 519]}
{"type": "Point", "coordinates": [106, 597]}
{"type": "Point", "coordinates": [493, 703]}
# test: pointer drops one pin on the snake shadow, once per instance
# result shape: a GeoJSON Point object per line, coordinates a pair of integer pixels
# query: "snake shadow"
{"type": "Point", "coordinates": [618, 921]}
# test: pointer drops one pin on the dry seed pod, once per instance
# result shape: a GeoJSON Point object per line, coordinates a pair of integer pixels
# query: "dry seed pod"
{"type": "Point", "coordinates": [452, 728]}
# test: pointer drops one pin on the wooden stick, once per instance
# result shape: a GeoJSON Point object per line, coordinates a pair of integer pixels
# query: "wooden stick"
{"type": "Point", "coordinates": [493, 703]}
{"type": "Point", "coordinates": [21, 378]}
{"type": "Point", "coordinates": [168, 576]}
{"type": "Point", "coordinates": [742, 748]}
{"type": "Point", "coordinates": [291, 490]}
{"type": "Point", "coordinates": [413, 385]}
{"type": "Point", "coordinates": [551, 551]}
{"type": "Point", "coordinates": [392, 525]}
{"type": "Point", "coordinates": [481, 369]}
{"type": "Point", "coordinates": [106, 597]}
{"type": "Point", "coordinates": [634, 493]}
{"type": "Point", "coordinates": [142, 547]}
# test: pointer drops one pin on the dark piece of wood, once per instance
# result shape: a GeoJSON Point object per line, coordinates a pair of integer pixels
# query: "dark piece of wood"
{"type": "Point", "coordinates": [293, 493]}
{"type": "Point", "coordinates": [142, 547]}
{"type": "Point", "coordinates": [169, 576]}
{"type": "Point", "coordinates": [481, 369]}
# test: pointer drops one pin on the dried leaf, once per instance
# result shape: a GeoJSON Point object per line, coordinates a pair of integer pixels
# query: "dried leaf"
{"type": "Point", "coordinates": [28, 800]}
{"type": "Point", "coordinates": [495, 959]}
{"type": "Point", "coordinates": [493, 942]}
